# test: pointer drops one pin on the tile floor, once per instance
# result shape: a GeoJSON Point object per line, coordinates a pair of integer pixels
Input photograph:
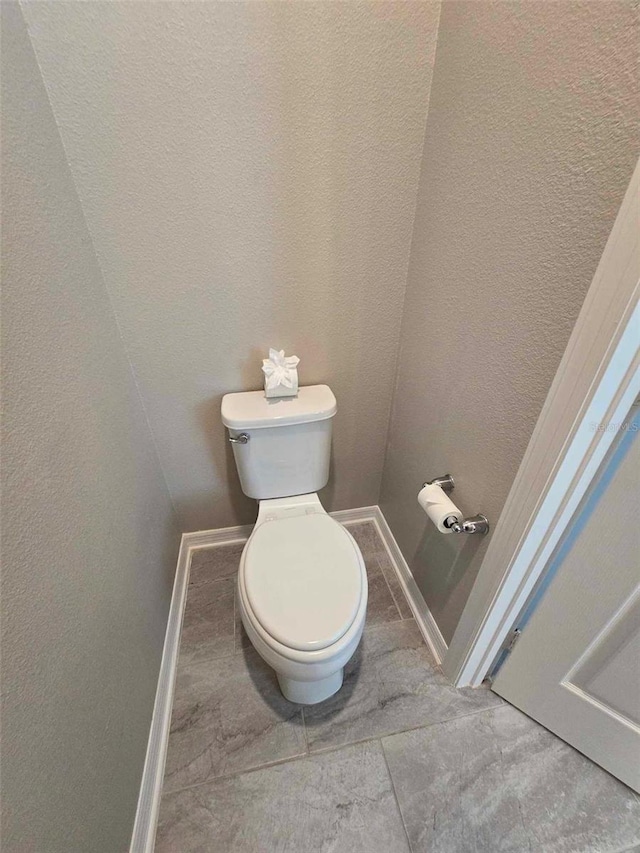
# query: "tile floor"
{"type": "Point", "coordinates": [397, 761]}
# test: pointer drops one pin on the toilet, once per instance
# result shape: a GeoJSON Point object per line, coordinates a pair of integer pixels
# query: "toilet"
{"type": "Point", "coordinates": [302, 583]}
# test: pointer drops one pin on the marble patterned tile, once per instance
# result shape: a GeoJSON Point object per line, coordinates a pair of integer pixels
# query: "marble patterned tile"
{"type": "Point", "coordinates": [391, 684]}
{"type": "Point", "coordinates": [363, 533]}
{"type": "Point", "coordinates": [208, 629]}
{"type": "Point", "coordinates": [209, 564]}
{"type": "Point", "coordinates": [366, 535]}
{"type": "Point", "coordinates": [381, 607]}
{"type": "Point", "coordinates": [497, 781]}
{"type": "Point", "coordinates": [391, 577]}
{"type": "Point", "coordinates": [339, 802]}
{"type": "Point", "coordinates": [229, 715]}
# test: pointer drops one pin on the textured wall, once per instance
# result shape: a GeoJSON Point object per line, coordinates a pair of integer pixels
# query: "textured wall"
{"type": "Point", "coordinates": [248, 172]}
{"type": "Point", "coordinates": [89, 539]}
{"type": "Point", "coordinates": [531, 139]}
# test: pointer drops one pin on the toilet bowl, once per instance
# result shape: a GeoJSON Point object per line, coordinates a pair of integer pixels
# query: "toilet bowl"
{"type": "Point", "coordinates": [302, 584]}
{"type": "Point", "coordinates": [302, 593]}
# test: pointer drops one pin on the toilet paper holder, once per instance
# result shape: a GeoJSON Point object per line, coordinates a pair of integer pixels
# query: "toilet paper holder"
{"type": "Point", "coordinates": [473, 524]}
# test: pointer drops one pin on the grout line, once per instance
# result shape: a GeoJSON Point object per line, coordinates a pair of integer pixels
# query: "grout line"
{"type": "Point", "coordinates": [395, 794]}
{"type": "Point", "coordinates": [292, 759]}
{"type": "Point", "coordinates": [395, 601]}
{"type": "Point", "coordinates": [226, 776]}
{"type": "Point", "coordinates": [328, 750]}
{"type": "Point", "coordinates": [377, 572]}
{"type": "Point", "coordinates": [381, 550]}
{"type": "Point", "coordinates": [304, 730]}
{"type": "Point", "coordinates": [235, 624]}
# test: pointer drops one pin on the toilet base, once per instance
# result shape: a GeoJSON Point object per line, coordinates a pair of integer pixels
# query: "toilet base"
{"type": "Point", "coordinates": [310, 692]}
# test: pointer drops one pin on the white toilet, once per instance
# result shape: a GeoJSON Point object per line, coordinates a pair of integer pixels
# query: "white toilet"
{"type": "Point", "coordinates": [302, 583]}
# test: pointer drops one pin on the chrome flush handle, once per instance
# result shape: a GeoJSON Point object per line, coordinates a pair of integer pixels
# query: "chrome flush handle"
{"type": "Point", "coordinates": [243, 438]}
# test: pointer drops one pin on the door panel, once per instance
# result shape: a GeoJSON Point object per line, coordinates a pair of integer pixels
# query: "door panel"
{"type": "Point", "coordinates": [602, 675]}
{"type": "Point", "coordinates": [576, 666]}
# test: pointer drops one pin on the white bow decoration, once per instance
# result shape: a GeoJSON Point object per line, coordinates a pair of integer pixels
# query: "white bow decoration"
{"type": "Point", "coordinates": [278, 369]}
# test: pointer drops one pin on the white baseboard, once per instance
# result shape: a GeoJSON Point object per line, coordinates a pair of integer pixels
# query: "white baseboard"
{"type": "Point", "coordinates": [226, 535]}
{"type": "Point", "coordinates": [144, 829]}
{"type": "Point", "coordinates": [221, 536]}
{"type": "Point", "coordinates": [146, 819]}
{"type": "Point", "coordinates": [351, 516]}
{"type": "Point", "coordinates": [426, 623]}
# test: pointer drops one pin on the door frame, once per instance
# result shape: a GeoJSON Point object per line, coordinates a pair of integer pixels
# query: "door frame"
{"type": "Point", "coordinates": [593, 390]}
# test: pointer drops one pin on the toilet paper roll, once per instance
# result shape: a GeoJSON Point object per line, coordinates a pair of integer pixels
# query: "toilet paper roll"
{"type": "Point", "coordinates": [438, 506]}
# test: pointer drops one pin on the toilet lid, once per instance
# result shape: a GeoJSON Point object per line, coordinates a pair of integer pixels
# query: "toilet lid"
{"type": "Point", "coordinates": [303, 580]}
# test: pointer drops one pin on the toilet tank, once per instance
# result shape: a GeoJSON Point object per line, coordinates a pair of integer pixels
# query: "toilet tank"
{"type": "Point", "coordinates": [289, 440]}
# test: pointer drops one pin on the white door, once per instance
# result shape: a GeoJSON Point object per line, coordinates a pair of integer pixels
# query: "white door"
{"type": "Point", "coordinates": [576, 666]}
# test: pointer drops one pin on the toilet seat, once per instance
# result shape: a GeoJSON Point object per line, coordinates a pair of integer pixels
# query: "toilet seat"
{"type": "Point", "coordinates": [304, 580]}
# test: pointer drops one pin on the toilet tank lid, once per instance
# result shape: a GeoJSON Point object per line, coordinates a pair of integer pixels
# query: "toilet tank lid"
{"type": "Point", "coordinates": [252, 410]}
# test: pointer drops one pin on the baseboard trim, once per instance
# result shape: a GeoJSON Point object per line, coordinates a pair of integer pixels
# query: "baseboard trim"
{"type": "Point", "coordinates": [146, 819]}
{"type": "Point", "coordinates": [423, 616]}
{"type": "Point", "coordinates": [351, 516]}
{"type": "Point", "coordinates": [227, 535]}
{"type": "Point", "coordinates": [221, 536]}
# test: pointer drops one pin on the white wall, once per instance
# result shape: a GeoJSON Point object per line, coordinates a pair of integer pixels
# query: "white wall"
{"type": "Point", "coordinates": [89, 538]}
{"type": "Point", "coordinates": [248, 172]}
{"type": "Point", "coordinates": [531, 140]}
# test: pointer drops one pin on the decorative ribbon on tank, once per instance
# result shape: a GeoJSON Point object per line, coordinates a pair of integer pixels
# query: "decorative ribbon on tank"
{"type": "Point", "coordinates": [280, 370]}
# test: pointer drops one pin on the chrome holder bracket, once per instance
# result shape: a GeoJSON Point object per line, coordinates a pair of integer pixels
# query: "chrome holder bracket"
{"type": "Point", "coordinates": [473, 524]}
{"type": "Point", "coordinates": [445, 482]}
